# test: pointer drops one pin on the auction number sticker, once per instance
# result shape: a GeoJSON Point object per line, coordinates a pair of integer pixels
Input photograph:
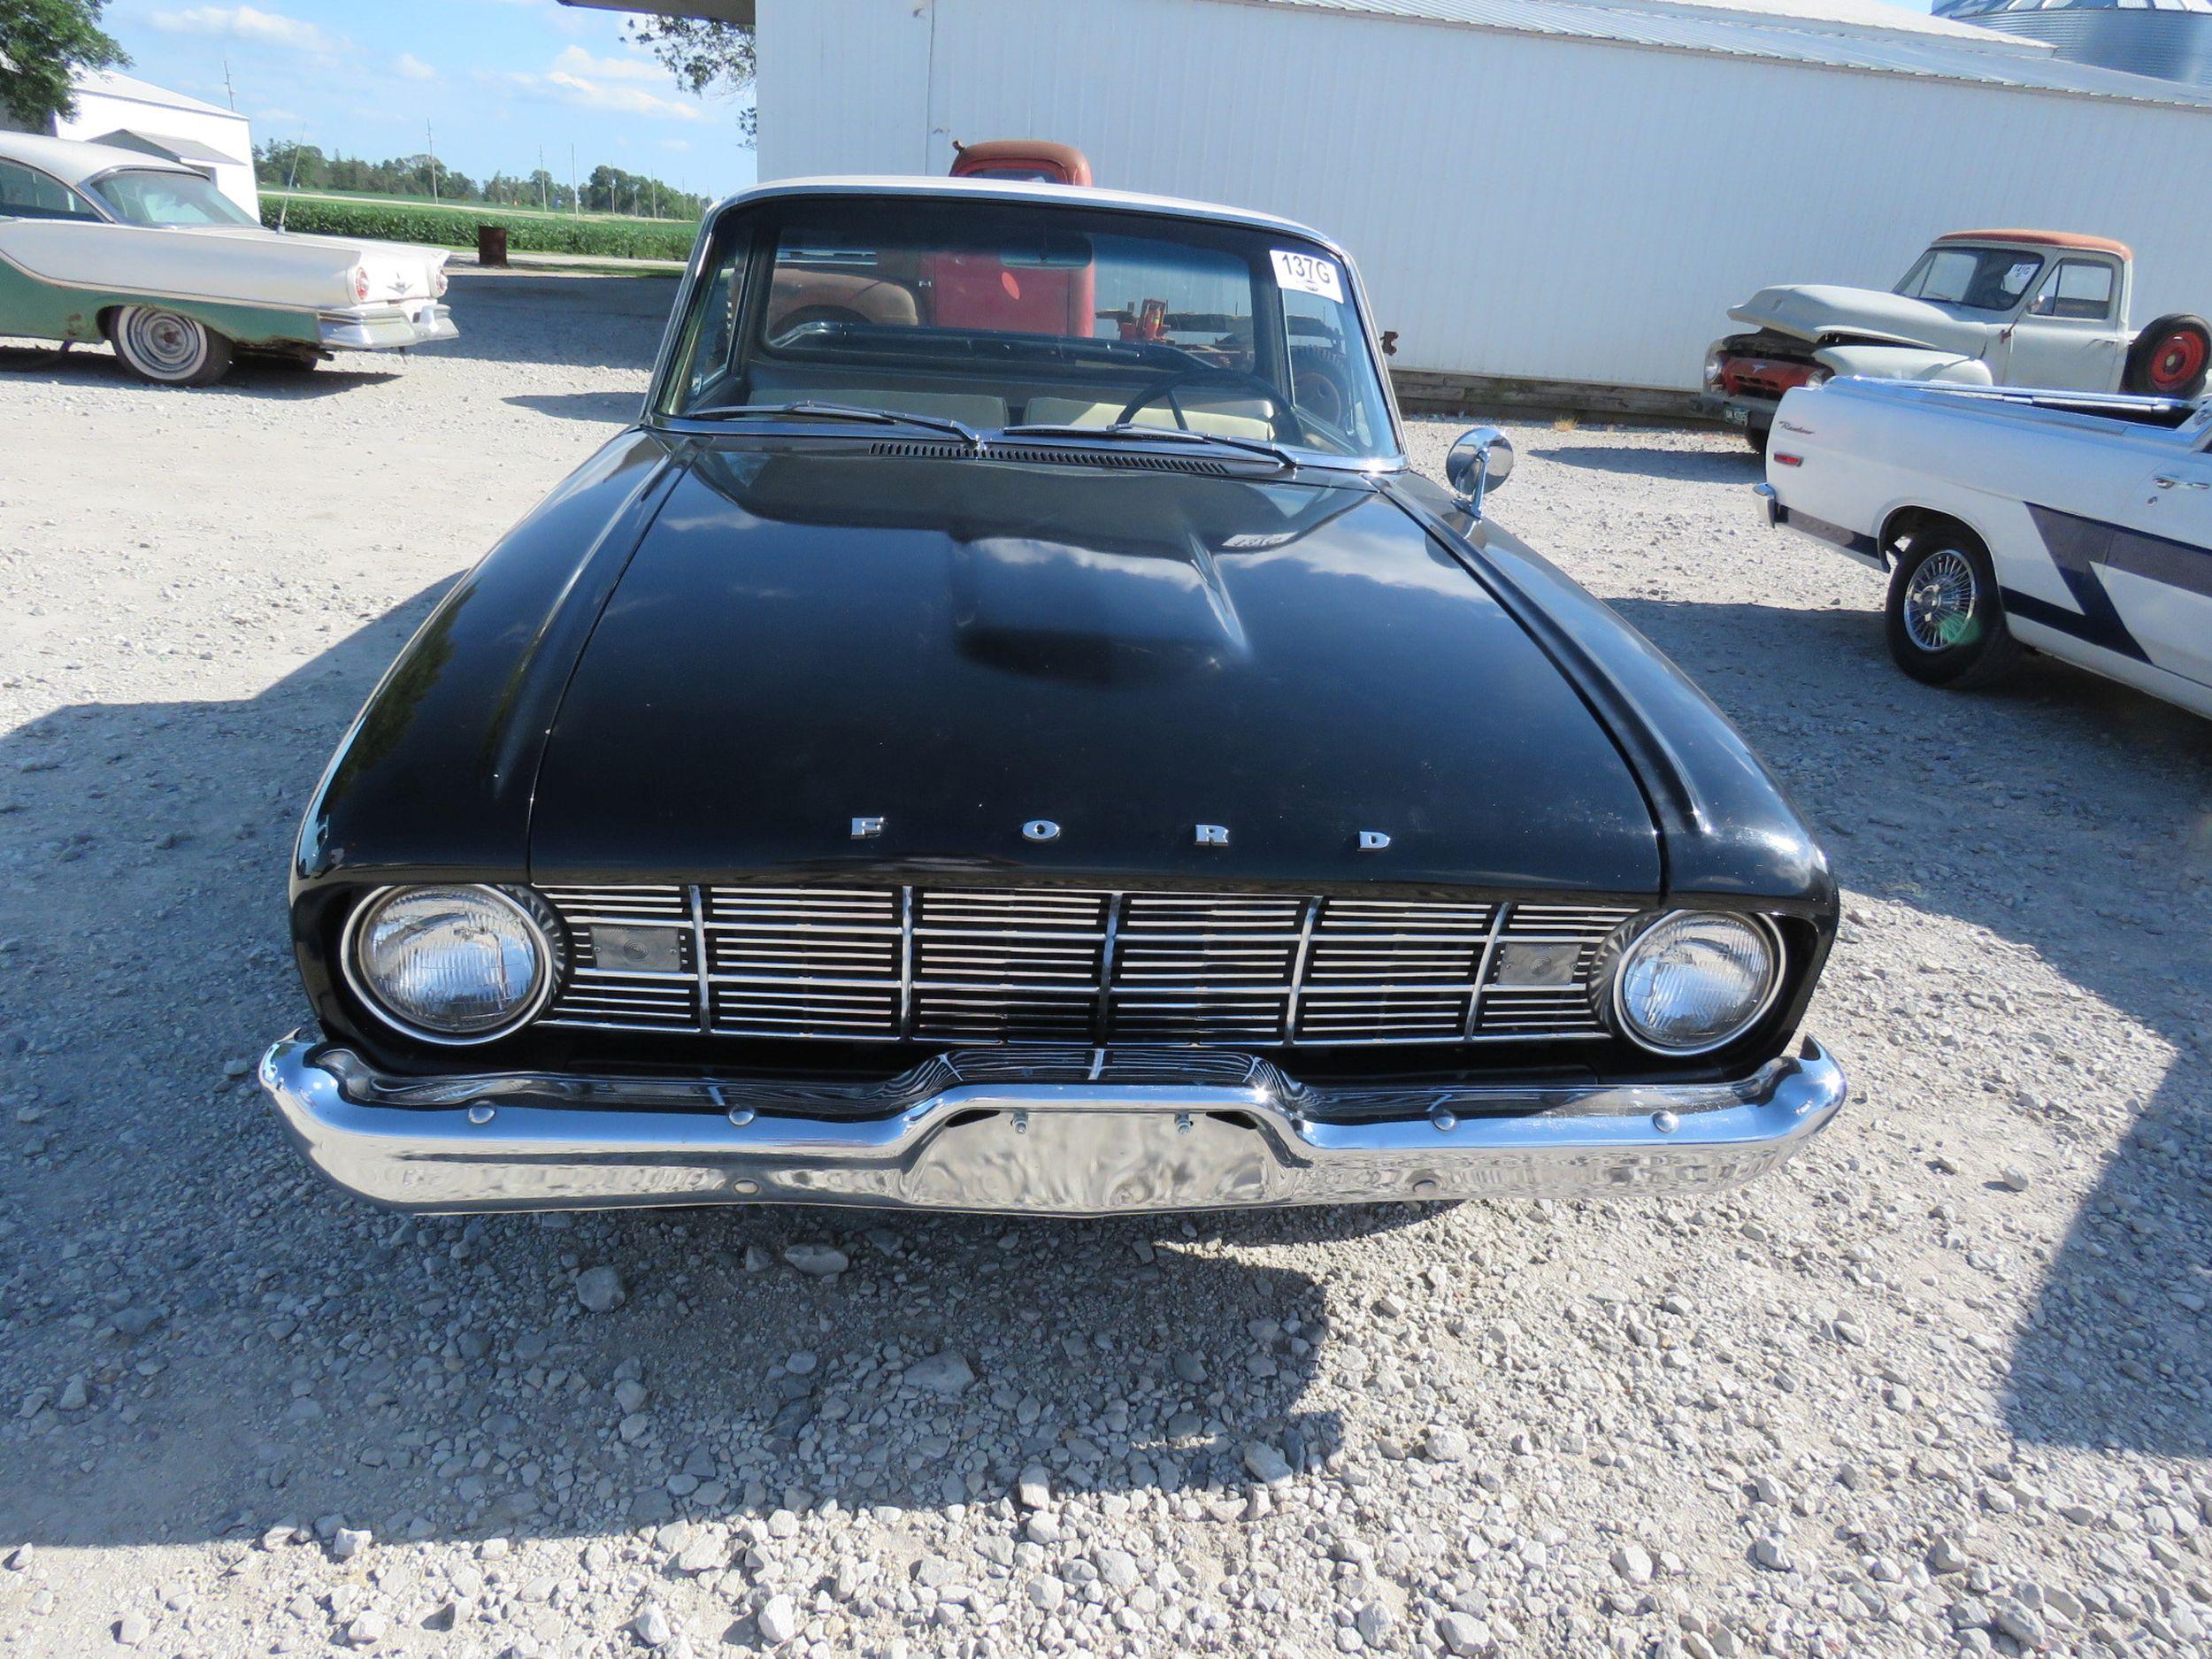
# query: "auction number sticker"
{"type": "Point", "coordinates": [1307, 274]}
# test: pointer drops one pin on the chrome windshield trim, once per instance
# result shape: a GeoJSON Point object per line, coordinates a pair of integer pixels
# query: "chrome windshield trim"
{"type": "Point", "coordinates": [1087, 197]}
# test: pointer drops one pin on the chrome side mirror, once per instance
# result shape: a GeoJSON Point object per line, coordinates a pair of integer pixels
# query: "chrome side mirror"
{"type": "Point", "coordinates": [1480, 461]}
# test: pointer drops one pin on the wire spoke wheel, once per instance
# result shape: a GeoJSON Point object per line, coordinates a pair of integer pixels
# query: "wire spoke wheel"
{"type": "Point", "coordinates": [1940, 602]}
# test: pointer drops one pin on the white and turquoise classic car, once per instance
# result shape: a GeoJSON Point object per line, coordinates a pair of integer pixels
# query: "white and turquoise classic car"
{"type": "Point", "coordinates": [102, 243]}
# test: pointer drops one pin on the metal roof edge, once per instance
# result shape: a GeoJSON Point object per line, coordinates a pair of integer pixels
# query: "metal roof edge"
{"type": "Point", "coordinates": [2141, 90]}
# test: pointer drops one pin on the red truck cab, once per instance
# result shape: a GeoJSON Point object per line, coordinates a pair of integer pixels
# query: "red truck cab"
{"type": "Point", "coordinates": [986, 290]}
{"type": "Point", "coordinates": [1026, 160]}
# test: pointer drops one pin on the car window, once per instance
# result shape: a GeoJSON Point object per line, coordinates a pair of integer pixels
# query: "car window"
{"type": "Point", "coordinates": [162, 198]}
{"type": "Point", "coordinates": [1980, 278]}
{"type": "Point", "coordinates": [2079, 289]}
{"type": "Point", "coordinates": [27, 194]}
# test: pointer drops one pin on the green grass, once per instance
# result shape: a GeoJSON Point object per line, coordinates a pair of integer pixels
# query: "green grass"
{"type": "Point", "coordinates": [391, 219]}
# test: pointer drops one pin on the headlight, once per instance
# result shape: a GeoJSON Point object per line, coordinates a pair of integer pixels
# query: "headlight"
{"type": "Point", "coordinates": [451, 964]}
{"type": "Point", "coordinates": [1694, 980]}
{"type": "Point", "coordinates": [1713, 360]}
{"type": "Point", "coordinates": [1820, 377]}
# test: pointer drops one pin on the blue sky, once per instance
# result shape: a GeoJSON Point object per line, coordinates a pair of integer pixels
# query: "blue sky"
{"type": "Point", "coordinates": [495, 79]}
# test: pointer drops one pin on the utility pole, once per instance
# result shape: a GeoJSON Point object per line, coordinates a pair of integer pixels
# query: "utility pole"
{"type": "Point", "coordinates": [229, 91]}
{"type": "Point", "coordinates": [431, 139]}
{"type": "Point", "coordinates": [575, 195]}
{"type": "Point", "coordinates": [544, 206]}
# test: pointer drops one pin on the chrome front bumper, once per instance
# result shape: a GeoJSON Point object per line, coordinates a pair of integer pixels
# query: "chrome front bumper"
{"type": "Point", "coordinates": [385, 328]}
{"type": "Point", "coordinates": [1059, 1132]}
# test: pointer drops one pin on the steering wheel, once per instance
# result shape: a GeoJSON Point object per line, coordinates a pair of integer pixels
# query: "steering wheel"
{"type": "Point", "coordinates": [1278, 404]}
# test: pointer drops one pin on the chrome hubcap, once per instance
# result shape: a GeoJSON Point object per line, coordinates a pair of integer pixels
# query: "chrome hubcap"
{"type": "Point", "coordinates": [1939, 601]}
{"type": "Point", "coordinates": [162, 340]}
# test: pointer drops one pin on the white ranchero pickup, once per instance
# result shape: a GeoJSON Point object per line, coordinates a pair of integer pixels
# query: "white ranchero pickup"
{"type": "Point", "coordinates": [2075, 523]}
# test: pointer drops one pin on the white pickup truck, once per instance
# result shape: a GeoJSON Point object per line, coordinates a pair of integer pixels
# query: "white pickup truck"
{"type": "Point", "coordinates": [2075, 523]}
{"type": "Point", "coordinates": [1978, 308]}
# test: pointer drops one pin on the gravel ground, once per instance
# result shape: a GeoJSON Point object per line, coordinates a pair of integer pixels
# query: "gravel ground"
{"type": "Point", "coordinates": [1942, 1386]}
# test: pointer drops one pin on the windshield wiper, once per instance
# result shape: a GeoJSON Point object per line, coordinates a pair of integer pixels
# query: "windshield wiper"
{"type": "Point", "coordinates": [1125, 429]}
{"type": "Point", "coordinates": [959, 429]}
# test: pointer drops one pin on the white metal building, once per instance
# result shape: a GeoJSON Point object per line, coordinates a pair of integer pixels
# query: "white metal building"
{"type": "Point", "coordinates": [1537, 190]}
{"type": "Point", "coordinates": [134, 114]}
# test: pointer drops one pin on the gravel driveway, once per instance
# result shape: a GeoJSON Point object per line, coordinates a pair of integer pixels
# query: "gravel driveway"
{"type": "Point", "coordinates": [1941, 1385]}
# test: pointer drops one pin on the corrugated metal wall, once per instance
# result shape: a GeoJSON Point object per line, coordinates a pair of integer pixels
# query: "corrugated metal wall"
{"type": "Point", "coordinates": [1521, 205]}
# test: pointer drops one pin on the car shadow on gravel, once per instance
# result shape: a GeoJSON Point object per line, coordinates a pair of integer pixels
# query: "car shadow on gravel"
{"type": "Point", "coordinates": [2068, 816]}
{"type": "Point", "coordinates": [1698, 466]}
{"type": "Point", "coordinates": [98, 366]}
{"type": "Point", "coordinates": [527, 316]}
{"type": "Point", "coordinates": [203, 1339]}
{"type": "Point", "coordinates": [612, 409]}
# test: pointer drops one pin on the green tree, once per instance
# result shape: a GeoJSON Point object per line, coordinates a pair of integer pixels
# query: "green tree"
{"type": "Point", "coordinates": [41, 42]}
{"type": "Point", "coordinates": [283, 163]}
{"type": "Point", "coordinates": [705, 56]}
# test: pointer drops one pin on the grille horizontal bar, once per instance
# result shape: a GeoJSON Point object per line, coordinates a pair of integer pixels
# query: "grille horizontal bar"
{"type": "Point", "coordinates": [1053, 965]}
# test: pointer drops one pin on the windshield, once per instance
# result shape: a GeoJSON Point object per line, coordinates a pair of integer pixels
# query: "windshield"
{"type": "Point", "coordinates": [1979, 279]}
{"type": "Point", "coordinates": [1011, 314]}
{"type": "Point", "coordinates": [163, 198]}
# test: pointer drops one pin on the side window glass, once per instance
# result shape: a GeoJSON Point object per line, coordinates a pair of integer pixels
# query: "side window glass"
{"type": "Point", "coordinates": [26, 194]}
{"type": "Point", "coordinates": [717, 331]}
{"type": "Point", "coordinates": [2080, 290]}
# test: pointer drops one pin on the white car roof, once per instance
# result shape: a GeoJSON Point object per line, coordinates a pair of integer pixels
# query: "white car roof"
{"type": "Point", "coordinates": [74, 163]}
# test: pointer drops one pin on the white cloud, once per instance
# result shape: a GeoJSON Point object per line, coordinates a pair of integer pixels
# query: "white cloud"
{"type": "Point", "coordinates": [413, 68]}
{"type": "Point", "coordinates": [575, 60]}
{"type": "Point", "coordinates": [246, 23]}
{"type": "Point", "coordinates": [675, 143]}
{"type": "Point", "coordinates": [587, 94]}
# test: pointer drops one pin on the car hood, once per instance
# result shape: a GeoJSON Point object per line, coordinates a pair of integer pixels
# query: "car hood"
{"type": "Point", "coordinates": [1816, 311]}
{"type": "Point", "coordinates": [962, 647]}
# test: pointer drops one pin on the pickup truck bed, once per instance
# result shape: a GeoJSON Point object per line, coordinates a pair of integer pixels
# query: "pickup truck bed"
{"type": "Point", "coordinates": [2074, 523]}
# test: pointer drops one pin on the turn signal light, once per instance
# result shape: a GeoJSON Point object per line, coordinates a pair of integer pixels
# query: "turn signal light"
{"type": "Point", "coordinates": [1789, 460]}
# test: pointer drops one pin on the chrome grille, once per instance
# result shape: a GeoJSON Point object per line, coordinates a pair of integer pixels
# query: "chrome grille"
{"type": "Point", "coordinates": [1053, 965]}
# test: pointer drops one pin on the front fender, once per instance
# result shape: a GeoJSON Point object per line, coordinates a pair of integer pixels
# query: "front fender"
{"type": "Point", "coordinates": [1904, 363]}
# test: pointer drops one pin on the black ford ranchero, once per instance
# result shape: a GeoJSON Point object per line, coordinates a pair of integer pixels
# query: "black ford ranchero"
{"type": "Point", "coordinates": [1007, 731]}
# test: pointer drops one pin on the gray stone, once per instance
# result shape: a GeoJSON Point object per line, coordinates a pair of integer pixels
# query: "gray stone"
{"type": "Point", "coordinates": [817, 1261]}
{"type": "Point", "coordinates": [942, 1373]}
{"type": "Point", "coordinates": [1265, 1465]}
{"type": "Point", "coordinates": [366, 1628]}
{"type": "Point", "coordinates": [1463, 1633]}
{"type": "Point", "coordinates": [778, 1620]}
{"type": "Point", "coordinates": [1033, 1489]}
{"type": "Point", "coordinates": [651, 1626]}
{"type": "Point", "coordinates": [600, 1289]}
{"type": "Point", "coordinates": [1446, 1445]}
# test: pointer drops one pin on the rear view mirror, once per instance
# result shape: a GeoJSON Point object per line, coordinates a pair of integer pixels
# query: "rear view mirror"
{"type": "Point", "coordinates": [1480, 461]}
{"type": "Point", "coordinates": [1049, 253]}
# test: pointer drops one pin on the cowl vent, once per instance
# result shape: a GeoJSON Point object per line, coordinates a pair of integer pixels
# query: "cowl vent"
{"type": "Point", "coordinates": [925, 450]}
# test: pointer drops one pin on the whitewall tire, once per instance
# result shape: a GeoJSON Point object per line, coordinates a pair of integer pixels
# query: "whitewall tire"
{"type": "Point", "coordinates": [168, 348]}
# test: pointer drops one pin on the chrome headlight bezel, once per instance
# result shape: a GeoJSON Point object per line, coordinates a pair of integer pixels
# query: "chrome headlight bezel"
{"type": "Point", "coordinates": [1623, 945]}
{"type": "Point", "coordinates": [540, 922]}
